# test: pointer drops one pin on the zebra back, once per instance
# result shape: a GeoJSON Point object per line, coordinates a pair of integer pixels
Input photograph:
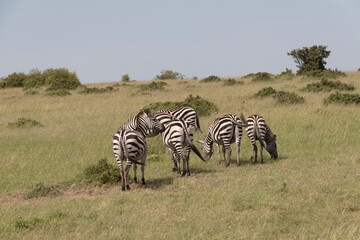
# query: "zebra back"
{"type": "Point", "coordinates": [183, 113]}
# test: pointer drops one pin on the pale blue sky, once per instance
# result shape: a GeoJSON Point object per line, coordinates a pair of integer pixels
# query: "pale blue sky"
{"type": "Point", "coordinates": [102, 40]}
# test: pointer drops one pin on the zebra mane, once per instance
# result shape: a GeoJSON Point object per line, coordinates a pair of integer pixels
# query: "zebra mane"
{"type": "Point", "coordinates": [143, 111]}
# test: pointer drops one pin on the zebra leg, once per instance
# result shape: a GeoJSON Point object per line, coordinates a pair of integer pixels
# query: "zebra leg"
{"type": "Point", "coordinates": [188, 149]}
{"type": "Point", "coordinates": [127, 169]}
{"type": "Point", "coordinates": [223, 151]}
{"type": "Point", "coordinates": [218, 150]}
{"type": "Point", "coordinates": [255, 150]}
{"type": "Point", "coordinates": [238, 153]}
{"type": "Point", "coordinates": [135, 168]}
{"type": "Point", "coordinates": [228, 150]}
{"type": "Point", "coordinates": [261, 154]}
{"type": "Point", "coordinates": [183, 157]}
{"type": "Point", "coordinates": [173, 160]}
{"type": "Point", "coordinates": [143, 169]}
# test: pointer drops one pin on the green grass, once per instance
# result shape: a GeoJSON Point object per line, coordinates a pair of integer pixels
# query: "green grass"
{"type": "Point", "coordinates": [311, 192]}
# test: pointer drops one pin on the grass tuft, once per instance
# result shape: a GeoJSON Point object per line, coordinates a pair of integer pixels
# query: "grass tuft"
{"type": "Point", "coordinates": [261, 77]}
{"type": "Point", "coordinates": [25, 123]}
{"type": "Point", "coordinates": [29, 224]}
{"type": "Point", "coordinates": [211, 78]}
{"type": "Point", "coordinates": [58, 93]}
{"type": "Point", "coordinates": [283, 97]}
{"type": "Point", "coordinates": [232, 82]}
{"type": "Point", "coordinates": [265, 92]}
{"type": "Point", "coordinates": [42, 190]}
{"type": "Point", "coordinates": [96, 90]}
{"type": "Point", "coordinates": [101, 173]}
{"type": "Point", "coordinates": [158, 85]}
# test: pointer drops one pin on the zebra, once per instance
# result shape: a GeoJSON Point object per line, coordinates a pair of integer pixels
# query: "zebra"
{"type": "Point", "coordinates": [223, 131]}
{"type": "Point", "coordinates": [257, 129]}
{"type": "Point", "coordinates": [175, 137]}
{"type": "Point", "coordinates": [129, 143]}
{"type": "Point", "coordinates": [183, 113]}
{"type": "Point", "coordinates": [189, 116]}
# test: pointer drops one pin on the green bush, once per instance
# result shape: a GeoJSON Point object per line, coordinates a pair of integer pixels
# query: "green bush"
{"type": "Point", "coordinates": [61, 79]}
{"type": "Point", "coordinates": [29, 224]}
{"type": "Point", "coordinates": [58, 93]}
{"type": "Point", "coordinates": [125, 78]}
{"type": "Point", "coordinates": [42, 190]}
{"type": "Point", "coordinates": [265, 92]}
{"type": "Point", "coordinates": [168, 74]}
{"type": "Point", "coordinates": [232, 82]}
{"type": "Point", "coordinates": [282, 97]}
{"type": "Point", "coordinates": [14, 80]}
{"type": "Point", "coordinates": [310, 59]}
{"type": "Point", "coordinates": [327, 85]}
{"type": "Point", "coordinates": [262, 76]}
{"type": "Point", "coordinates": [211, 78]}
{"type": "Point", "coordinates": [101, 173]}
{"type": "Point", "coordinates": [24, 123]}
{"type": "Point", "coordinates": [201, 106]}
{"type": "Point", "coordinates": [153, 86]}
{"type": "Point", "coordinates": [343, 98]}
{"type": "Point", "coordinates": [96, 90]}
{"type": "Point", "coordinates": [34, 79]}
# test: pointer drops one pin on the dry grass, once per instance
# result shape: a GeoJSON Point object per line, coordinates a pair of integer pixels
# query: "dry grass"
{"type": "Point", "coordinates": [311, 192]}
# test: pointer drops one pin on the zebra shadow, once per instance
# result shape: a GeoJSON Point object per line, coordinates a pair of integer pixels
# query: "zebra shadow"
{"type": "Point", "coordinates": [200, 170]}
{"type": "Point", "coordinates": [158, 182]}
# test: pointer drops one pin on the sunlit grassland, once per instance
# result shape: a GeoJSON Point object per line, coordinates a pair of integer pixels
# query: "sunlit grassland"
{"type": "Point", "coordinates": [311, 192]}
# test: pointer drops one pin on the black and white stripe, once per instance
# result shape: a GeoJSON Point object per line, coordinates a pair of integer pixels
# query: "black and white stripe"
{"type": "Point", "coordinates": [223, 131]}
{"type": "Point", "coordinates": [129, 143]}
{"type": "Point", "coordinates": [257, 129]}
{"type": "Point", "coordinates": [176, 137]}
{"type": "Point", "coordinates": [183, 113]}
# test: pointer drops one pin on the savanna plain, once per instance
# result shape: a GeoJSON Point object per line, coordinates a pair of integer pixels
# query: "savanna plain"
{"type": "Point", "coordinates": [312, 191]}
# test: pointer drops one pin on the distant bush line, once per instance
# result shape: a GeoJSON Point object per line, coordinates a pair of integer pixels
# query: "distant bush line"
{"type": "Point", "coordinates": [327, 85]}
{"type": "Point", "coordinates": [95, 90]}
{"type": "Point", "coordinates": [281, 97]}
{"type": "Point", "coordinates": [343, 98]}
{"type": "Point", "coordinates": [53, 79]}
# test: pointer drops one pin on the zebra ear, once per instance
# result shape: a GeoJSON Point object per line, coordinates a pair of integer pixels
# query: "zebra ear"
{"type": "Point", "coordinates": [274, 137]}
{"type": "Point", "coordinates": [200, 141]}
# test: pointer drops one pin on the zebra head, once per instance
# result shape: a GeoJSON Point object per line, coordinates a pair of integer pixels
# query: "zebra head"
{"type": "Point", "coordinates": [148, 123]}
{"type": "Point", "coordinates": [207, 147]}
{"type": "Point", "coordinates": [271, 146]}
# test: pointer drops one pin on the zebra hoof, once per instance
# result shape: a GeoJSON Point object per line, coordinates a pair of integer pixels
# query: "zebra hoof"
{"type": "Point", "coordinates": [188, 174]}
{"type": "Point", "coordinates": [227, 164]}
{"type": "Point", "coordinates": [183, 174]}
{"type": "Point", "coordinates": [128, 187]}
{"type": "Point", "coordinates": [123, 188]}
{"type": "Point", "coordinates": [135, 179]}
{"type": "Point", "coordinates": [143, 181]}
{"type": "Point", "coordinates": [174, 169]}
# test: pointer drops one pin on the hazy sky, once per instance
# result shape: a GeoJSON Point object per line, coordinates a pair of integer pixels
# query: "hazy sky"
{"type": "Point", "coordinates": [103, 40]}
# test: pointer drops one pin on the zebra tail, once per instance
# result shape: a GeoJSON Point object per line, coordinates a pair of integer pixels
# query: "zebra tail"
{"type": "Point", "coordinates": [243, 119]}
{"type": "Point", "coordinates": [127, 155]}
{"type": "Point", "coordinates": [198, 123]}
{"type": "Point", "coordinates": [194, 148]}
{"type": "Point", "coordinates": [257, 133]}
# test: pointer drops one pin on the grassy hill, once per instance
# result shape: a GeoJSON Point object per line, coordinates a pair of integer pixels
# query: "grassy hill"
{"type": "Point", "coordinates": [311, 192]}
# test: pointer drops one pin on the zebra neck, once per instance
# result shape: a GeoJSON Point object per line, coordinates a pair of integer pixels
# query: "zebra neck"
{"type": "Point", "coordinates": [268, 135]}
{"type": "Point", "coordinates": [208, 139]}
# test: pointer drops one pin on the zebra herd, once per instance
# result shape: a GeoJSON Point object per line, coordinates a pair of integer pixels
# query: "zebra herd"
{"type": "Point", "coordinates": [176, 127]}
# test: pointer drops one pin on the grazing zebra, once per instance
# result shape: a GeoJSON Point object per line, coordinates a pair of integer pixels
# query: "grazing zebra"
{"type": "Point", "coordinates": [165, 118]}
{"type": "Point", "coordinates": [257, 129]}
{"type": "Point", "coordinates": [175, 137]}
{"type": "Point", "coordinates": [183, 113]}
{"type": "Point", "coordinates": [223, 131]}
{"type": "Point", "coordinates": [129, 142]}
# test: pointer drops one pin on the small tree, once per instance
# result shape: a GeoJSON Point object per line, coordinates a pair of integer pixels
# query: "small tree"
{"type": "Point", "coordinates": [125, 78]}
{"type": "Point", "coordinates": [168, 74]}
{"type": "Point", "coordinates": [311, 59]}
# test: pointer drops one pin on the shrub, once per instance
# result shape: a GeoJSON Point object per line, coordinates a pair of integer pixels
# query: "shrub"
{"type": "Point", "coordinates": [24, 123]}
{"type": "Point", "coordinates": [61, 79]}
{"type": "Point", "coordinates": [261, 76]}
{"type": "Point", "coordinates": [231, 82]}
{"type": "Point", "coordinates": [34, 79]}
{"type": "Point", "coordinates": [25, 224]}
{"type": "Point", "coordinates": [211, 78]}
{"type": "Point", "coordinates": [327, 85]}
{"type": "Point", "coordinates": [101, 173]}
{"type": "Point", "coordinates": [14, 80]}
{"type": "Point", "coordinates": [153, 86]}
{"type": "Point", "coordinates": [125, 78]}
{"type": "Point", "coordinates": [168, 74]}
{"type": "Point", "coordinates": [282, 97]}
{"type": "Point", "coordinates": [265, 92]}
{"type": "Point", "coordinates": [310, 59]}
{"type": "Point", "coordinates": [95, 90]}
{"type": "Point", "coordinates": [58, 93]}
{"type": "Point", "coordinates": [202, 107]}
{"type": "Point", "coordinates": [344, 98]}
{"type": "Point", "coordinates": [42, 190]}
